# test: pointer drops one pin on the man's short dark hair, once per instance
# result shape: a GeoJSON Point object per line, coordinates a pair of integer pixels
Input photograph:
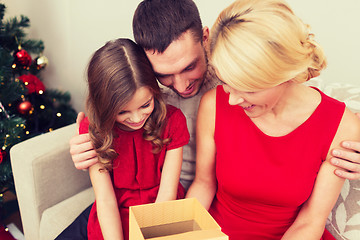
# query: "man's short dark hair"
{"type": "Point", "coordinates": [157, 23]}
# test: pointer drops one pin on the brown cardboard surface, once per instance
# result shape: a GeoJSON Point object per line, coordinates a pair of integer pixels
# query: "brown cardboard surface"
{"type": "Point", "coordinates": [173, 220]}
{"type": "Point", "coordinates": [170, 229]}
{"type": "Point", "coordinates": [214, 234]}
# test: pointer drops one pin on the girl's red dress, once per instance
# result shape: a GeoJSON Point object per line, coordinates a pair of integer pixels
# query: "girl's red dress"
{"type": "Point", "coordinates": [137, 171]}
{"type": "Point", "coordinates": [263, 180]}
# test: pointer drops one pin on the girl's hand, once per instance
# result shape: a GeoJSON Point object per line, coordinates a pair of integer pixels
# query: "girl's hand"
{"type": "Point", "coordinates": [170, 175]}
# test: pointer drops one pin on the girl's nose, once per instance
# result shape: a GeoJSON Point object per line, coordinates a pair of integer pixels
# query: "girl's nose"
{"type": "Point", "coordinates": [135, 117]}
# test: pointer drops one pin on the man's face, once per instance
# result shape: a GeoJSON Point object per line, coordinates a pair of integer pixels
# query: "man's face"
{"type": "Point", "coordinates": [182, 66]}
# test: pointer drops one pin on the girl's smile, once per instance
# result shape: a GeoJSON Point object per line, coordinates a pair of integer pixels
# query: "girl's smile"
{"type": "Point", "coordinates": [134, 115]}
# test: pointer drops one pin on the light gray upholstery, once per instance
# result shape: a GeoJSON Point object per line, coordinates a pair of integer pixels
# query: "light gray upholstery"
{"type": "Point", "coordinates": [51, 192]}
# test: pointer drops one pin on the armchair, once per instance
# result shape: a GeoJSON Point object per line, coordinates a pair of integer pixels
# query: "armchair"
{"type": "Point", "coordinates": [51, 192]}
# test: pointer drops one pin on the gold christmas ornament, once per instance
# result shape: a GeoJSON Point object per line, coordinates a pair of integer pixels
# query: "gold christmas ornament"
{"type": "Point", "coordinates": [41, 62]}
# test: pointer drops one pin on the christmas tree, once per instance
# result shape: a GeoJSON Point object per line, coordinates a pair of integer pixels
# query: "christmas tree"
{"type": "Point", "coordinates": [27, 108]}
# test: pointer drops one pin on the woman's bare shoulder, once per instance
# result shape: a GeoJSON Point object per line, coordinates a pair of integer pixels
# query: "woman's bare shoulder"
{"type": "Point", "coordinates": [349, 128]}
{"type": "Point", "coordinates": [209, 97]}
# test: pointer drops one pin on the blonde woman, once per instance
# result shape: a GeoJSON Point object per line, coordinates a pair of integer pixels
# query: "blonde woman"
{"type": "Point", "coordinates": [264, 120]}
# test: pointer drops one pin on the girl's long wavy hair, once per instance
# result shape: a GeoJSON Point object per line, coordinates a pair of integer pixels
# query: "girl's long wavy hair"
{"type": "Point", "coordinates": [114, 73]}
{"type": "Point", "coordinates": [259, 44]}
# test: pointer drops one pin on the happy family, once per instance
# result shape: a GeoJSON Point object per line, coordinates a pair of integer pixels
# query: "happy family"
{"type": "Point", "coordinates": [271, 153]}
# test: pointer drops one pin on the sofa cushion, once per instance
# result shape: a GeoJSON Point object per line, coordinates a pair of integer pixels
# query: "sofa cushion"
{"type": "Point", "coordinates": [344, 220]}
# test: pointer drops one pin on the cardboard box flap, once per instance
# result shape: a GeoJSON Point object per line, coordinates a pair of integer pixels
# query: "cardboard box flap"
{"type": "Point", "coordinates": [172, 212]}
{"type": "Point", "coordinates": [134, 227]}
{"type": "Point", "coordinates": [202, 216]}
{"type": "Point", "coordinates": [161, 213]}
{"type": "Point", "coordinates": [178, 219]}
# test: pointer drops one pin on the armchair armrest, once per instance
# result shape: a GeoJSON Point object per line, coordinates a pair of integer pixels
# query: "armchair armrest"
{"type": "Point", "coordinates": [44, 176]}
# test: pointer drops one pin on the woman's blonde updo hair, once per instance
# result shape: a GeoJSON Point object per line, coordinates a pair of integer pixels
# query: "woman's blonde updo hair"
{"type": "Point", "coordinates": [258, 44]}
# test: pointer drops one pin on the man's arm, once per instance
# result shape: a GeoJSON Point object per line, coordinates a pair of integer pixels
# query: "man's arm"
{"type": "Point", "coordinates": [81, 149]}
{"type": "Point", "coordinates": [348, 159]}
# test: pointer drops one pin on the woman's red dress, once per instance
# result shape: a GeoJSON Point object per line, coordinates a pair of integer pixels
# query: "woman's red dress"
{"type": "Point", "coordinates": [263, 180]}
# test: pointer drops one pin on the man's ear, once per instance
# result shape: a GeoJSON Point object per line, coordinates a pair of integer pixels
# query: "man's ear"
{"type": "Point", "coordinates": [206, 40]}
{"type": "Point", "coordinates": [205, 36]}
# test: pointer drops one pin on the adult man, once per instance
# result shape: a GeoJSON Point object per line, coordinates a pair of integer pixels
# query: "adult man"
{"type": "Point", "coordinates": [175, 42]}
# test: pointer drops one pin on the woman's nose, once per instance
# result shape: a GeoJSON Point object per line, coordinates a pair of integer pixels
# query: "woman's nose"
{"type": "Point", "coordinates": [235, 99]}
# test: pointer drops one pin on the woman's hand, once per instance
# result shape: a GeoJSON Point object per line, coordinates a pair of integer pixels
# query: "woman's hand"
{"type": "Point", "coordinates": [204, 186]}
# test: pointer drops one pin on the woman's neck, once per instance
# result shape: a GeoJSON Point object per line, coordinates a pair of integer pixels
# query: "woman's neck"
{"type": "Point", "coordinates": [294, 107]}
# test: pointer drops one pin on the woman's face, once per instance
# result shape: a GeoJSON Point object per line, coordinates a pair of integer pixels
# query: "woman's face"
{"type": "Point", "coordinates": [255, 104]}
{"type": "Point", "coordinates": [134, 115]}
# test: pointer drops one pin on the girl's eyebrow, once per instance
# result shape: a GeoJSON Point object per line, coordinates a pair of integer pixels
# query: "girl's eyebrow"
{"type": "Point", "coordinates": [148, 101]}
{"type": "Point", "coordinates": [124, 111]}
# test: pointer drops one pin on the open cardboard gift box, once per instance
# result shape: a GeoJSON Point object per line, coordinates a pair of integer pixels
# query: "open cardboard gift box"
{"type": "Point", "coordinates": [173, 220]}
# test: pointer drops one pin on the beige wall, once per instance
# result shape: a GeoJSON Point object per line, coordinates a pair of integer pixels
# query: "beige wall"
{"type": "Point", "coordinates": [73, 29]}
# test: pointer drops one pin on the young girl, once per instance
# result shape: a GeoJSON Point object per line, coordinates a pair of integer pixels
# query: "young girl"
{"type": "Point", "coordinates": [137, 137]}
{"type": "Point", "coordinates": [262, 120]}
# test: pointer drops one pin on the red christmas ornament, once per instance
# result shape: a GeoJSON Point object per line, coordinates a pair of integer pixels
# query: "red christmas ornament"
{"type": "Point", "coordinates": [2, 155]}
{"type": "Point", "coordinates": [32, 83]}
{"type": "Point", "coordinates": [22, 59]}
{"type": "Point", "coordinates": [24, 107]}
{"type": "Point", "coordinates": [5, 234]}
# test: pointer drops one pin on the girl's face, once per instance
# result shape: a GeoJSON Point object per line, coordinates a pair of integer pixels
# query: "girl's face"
{"type": "Point", "coordinates": [134, 115]}
{"type": "Point", "coordinates": [256, 104]}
